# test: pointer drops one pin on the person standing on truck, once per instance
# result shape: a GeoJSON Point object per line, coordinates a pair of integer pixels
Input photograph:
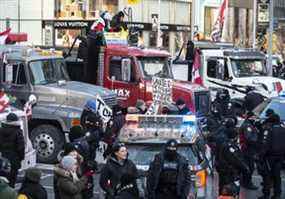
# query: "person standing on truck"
{"type": "Point", "coordinates": [168, 175]}
{"type": "Point", "coordinates": [182, 108]}
{"type": "Point", "coordinates": [190, 58]}
{"type": "Point", "coordinates": [12, 145]}
{"type": "Point", "coordinates": [117, 166]}
{"type": "Point", "coordinates": [117, 23]}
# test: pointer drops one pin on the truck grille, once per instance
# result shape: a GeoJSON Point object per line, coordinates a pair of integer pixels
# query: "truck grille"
{"type": "Point", "coordinates": [111, 101]}
{"type": "Point", "coordinates": [202, 102]}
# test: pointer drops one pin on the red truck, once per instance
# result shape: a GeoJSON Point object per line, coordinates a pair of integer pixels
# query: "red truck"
{"type": "Point", "coordinates": [129, 70]}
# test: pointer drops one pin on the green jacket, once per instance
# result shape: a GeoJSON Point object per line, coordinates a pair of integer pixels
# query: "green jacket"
{"type": "Point", "coordinates": [6, 191]}
{"type": "Point", "coordinates": [67, 188]}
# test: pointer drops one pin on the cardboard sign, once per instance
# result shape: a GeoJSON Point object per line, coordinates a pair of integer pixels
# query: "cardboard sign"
{"type": "Point", "coordinates": [103, 109]}
{"type": "Point", "coordinates": [161, 94]}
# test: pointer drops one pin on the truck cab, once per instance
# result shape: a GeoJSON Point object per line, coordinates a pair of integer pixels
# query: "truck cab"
{"type": "Point", "coordinates": [26, 71]}
{"type": "Point", "coordinates": [129, 71]}
{"type": "Point", "coordinates": [235, 69]}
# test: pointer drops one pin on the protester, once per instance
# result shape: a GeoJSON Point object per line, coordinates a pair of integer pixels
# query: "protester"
{"type": "Point", "coordinates": [12, 145]}
{"type": "Point", "coordinates": [182, 108]}
{"type": "Point", "coordinates": [69, 184]}
{"type": "Point", "coordinates": [117, 166]}
{"type": "Point", "coordinates": [168, 175]}
{"type": "Point", "coordinates": [6, 192]}
{"type": "Point", "coordinates": [31, 187]}
{"type": "Point", "coordinates": [117, 22]}
{"type": "Point", "coordinates": [141, 106]}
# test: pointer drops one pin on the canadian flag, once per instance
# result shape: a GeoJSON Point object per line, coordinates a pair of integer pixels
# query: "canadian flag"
{"type": "Point", "coordinates": [4, 101]}
{"type": "Point", "coordinates": [4, 35]}
{"type": "Point", "coordinates": [219, 26]}
{"type": "Point", "coordinates": [196, 78]}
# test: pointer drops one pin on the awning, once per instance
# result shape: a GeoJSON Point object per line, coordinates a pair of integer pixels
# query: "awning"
{"type": "Point", "coordinates": [241, 4]}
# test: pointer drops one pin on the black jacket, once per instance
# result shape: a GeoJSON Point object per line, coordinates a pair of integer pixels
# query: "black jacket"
{"type": "Point", "coordinates": [12, 144]}
{"type": "Point", "coordinates": [113, 172]}
{"type": "Point", "coordinates": [33, 190]}
{"type": "Point", "coordinates": [183, 178]}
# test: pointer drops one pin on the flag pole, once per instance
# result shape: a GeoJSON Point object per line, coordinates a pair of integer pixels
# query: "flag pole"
{"type": "Point", "coordinates": [254, 23]}
{"type": "Point", "coordinates": [271, 20]}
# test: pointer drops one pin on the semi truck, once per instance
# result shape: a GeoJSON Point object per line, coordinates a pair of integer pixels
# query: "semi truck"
{"type": "Point", "coordinates": [26, 71]}
{"type": "Point", "coordinates": [128, 70]}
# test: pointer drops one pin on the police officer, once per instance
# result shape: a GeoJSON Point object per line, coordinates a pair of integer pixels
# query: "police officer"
{"type": "Point", "coordinates": [88, 110]}
{"type": "Point", "coordinates": [5, 190]}
{"type": "Point", "coordinates": [12, 145]}
{"type": "Point", "coordinates": [249, 147]}
{"type": "Point", "coordinates": [273, 151]}
{"type": "Point", "coordinates": [229, 161]}
{"type": "Point", "coordinates": [222, 103]}
{"type": "Point", "coordinates": [168, 175]}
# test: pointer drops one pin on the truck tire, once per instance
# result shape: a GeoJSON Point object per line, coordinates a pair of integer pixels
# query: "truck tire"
{"type": "Point", "coordinates": [48, 141]}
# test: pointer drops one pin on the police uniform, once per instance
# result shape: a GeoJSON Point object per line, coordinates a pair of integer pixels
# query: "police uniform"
{"type": "Point", "coordinates": [249, 147]}
{"type": "Point", "coordinates": [168, 175]}
{"type": "Point", "coordinates": [272, 157]}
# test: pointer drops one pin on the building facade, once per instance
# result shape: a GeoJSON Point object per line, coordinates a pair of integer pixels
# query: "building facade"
{"type": "Point", "coordinates": [58, 22]}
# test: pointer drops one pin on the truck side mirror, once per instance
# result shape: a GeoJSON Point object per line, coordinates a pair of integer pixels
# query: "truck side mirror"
{"type": "Point", "coordinates": [126, 69]}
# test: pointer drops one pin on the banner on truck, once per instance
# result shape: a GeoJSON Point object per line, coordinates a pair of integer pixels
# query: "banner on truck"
{"type": "Point", "coordinates": [103, 109]}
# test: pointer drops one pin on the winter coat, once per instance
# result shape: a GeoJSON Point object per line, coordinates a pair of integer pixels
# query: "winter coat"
{"type": "Point", "coordinates": [12, 144]}
{"type": "Point", "coordinates": [183, 178]}
{"type": "Point", "coordinates": [113, 172]}
{"type": "Point", "coordinates": [6, 191]}
{"type": "Point", "coordinates": [33, 190]}
{"type": "Point", "coordinates": [67, 188]}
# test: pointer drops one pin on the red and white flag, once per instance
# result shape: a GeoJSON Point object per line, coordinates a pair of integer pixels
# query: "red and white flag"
{"type": "Point", "coordinates": [4, 35]}
{"type": "Point", "coordinates": [196, 78]}
{"type": "Point", "coordinates": [28, 109]}
{"type": "Point", "coordinates": [217, 31]}
{"type": "Point", "coordinates": [4, 101]}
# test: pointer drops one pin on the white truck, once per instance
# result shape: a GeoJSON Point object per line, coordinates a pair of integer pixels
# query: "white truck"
{"type": "Point", "coordinates": [234, 69]}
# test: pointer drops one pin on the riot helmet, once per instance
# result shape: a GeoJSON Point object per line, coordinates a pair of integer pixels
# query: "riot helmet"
{"type": "Point", "coordinates": [223, 95]}
{"type": "Point", "coordinates": [90, 105]}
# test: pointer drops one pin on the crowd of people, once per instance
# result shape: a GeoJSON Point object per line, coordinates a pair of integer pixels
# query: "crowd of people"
{"type": "Point", "coordinates": [236, 154]}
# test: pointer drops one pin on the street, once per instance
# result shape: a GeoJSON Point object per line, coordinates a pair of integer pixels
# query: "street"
{"type": "Point", "coordinates": [47, 181]}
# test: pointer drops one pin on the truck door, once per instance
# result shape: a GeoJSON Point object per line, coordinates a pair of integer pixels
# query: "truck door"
{"type": "Point", "coordinates": [217, 74]}
{"type": "Point", "coordinates": [15, 82]}
{"type": "Point", "coordinates": [123, 78]}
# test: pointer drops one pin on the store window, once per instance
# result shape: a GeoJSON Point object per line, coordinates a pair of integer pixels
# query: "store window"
{"type": "Point", "coordinates": [210, 18]}
{"type": "Point", "coordinates": [83, 9]}
{"type": "Point", "coordinates": [65, 37]}
{"type": "Point", "coordinates": [153, 39]}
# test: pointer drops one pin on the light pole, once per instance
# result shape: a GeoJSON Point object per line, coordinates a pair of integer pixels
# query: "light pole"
{"type": "Point", "coordinates": [193, 18]}
{"type": "Point", "coordinates": [254, 23]}
{"type": "Point", "coordinates": [271, 21]}
{"type": "Point", "coordinates": [158, 39]}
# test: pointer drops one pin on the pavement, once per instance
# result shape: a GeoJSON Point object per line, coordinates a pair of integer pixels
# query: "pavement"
{"type": "Point", "coordinates": [47, 182]}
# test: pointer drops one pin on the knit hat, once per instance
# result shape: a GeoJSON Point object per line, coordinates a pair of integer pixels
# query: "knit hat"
{"type": "Point", "coordinates": [180, 102]}
{"type": "Point", "coordinates": [68, 162]}
{"type": "Point", "coordinates": [33, 174]}
{"type": "Point", "coordinates": [12, 119]}
{"type": "Point", "coordinates": [116, 146]}
{"type": "Point", "coordinates": [140, 103]}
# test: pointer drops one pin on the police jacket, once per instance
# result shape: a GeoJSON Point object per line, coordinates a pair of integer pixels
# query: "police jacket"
{"type": "Point", "coordinates": [249, 137]}
{"type": "Point", "coordinates": [112, 173]}
{"type": "Point", "coordinates": [12, 144]}
{"type": "Point", "coordinates": [273, 141]}
{"type": "Point", "coordinates": [183, 177]}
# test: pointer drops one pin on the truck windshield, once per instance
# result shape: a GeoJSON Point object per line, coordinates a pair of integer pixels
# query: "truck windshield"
{"type": "Point", "coordinates": [248, 68]}
{"type": "Point", "coordinates": [155, 66]}
{"type": "Point", "coordinates": [47, 71]}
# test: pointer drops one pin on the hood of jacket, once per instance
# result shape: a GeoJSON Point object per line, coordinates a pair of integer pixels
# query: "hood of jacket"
{"type": "Point", "coordinates": [3, 183]}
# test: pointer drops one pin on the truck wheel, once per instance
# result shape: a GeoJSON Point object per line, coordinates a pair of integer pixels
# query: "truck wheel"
{"type": "Point", "coordinates": [48, 141]}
